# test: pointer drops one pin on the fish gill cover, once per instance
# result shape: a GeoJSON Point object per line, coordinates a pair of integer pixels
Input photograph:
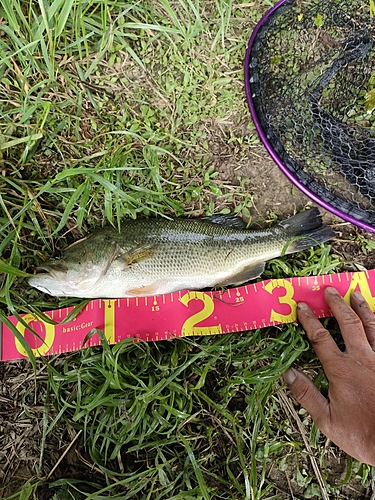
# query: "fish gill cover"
{"type": "Point", "coordinates": [310, 82]}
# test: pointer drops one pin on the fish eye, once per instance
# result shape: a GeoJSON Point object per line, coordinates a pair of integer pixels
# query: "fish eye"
{"type": "Point", "coordinates": [57, 255]}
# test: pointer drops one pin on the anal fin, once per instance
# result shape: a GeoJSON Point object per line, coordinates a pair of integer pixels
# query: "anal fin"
{"type": "Point", "coordinates": [246, 274]}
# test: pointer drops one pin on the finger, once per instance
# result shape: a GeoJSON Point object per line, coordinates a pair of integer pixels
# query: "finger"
{"type": "Point", "coordinates": [306, 393]}
{"type": "Point", "coordinates": [365, 314]}
{"type": "Point", "coordinates": [320, 338]}
{"type": "Point", "coordinates": [350, 324]}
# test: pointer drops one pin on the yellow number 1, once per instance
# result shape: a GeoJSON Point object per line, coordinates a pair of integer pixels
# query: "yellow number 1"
{"type": "Point", "coordinates": [109, 320]}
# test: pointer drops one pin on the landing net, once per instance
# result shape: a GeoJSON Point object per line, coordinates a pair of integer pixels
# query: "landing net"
{"type": "Point", "coordinates": [310, 83]}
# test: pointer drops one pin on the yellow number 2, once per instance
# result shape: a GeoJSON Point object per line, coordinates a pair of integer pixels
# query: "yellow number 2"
{"type": "Point", "coordinates": [189, 328]}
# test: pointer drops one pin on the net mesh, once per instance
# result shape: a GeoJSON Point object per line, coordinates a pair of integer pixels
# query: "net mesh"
{"type": "Point", "coordinates": [312, 82]}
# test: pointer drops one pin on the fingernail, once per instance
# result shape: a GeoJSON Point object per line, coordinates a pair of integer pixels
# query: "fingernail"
{"type": "Point", "coordinates": [358, 296]}
{"type": "Point", "coordinates": [302, 306]}
{"type": "Point", "coordinates": [289, 376]}
{"type": "Point", "coordinates": [332, 290]}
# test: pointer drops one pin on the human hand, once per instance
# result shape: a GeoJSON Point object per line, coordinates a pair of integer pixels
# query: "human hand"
{"type": "Point", "coordinates": [347, 417]}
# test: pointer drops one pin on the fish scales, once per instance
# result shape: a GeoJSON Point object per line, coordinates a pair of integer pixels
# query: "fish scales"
{"type": "Point", "coordinates": [185, 251]}
{"type": "Point", "coordinates": [157, 256]}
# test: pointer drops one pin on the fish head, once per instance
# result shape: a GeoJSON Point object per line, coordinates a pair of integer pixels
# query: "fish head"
{"type": "Point", "coordinates": [79, 269]}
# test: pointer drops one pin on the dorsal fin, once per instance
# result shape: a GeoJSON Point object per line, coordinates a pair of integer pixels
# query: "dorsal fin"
{"type": "Point", "coordinates": [303, 222]}
{"type": "Point", "coordinates": [232, 220]}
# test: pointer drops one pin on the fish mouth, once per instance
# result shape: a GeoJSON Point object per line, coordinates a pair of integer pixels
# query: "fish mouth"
{"type": "Point", "coordinates": [52, 270]}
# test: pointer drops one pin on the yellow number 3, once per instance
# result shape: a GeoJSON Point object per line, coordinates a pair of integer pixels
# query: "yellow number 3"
{"type": "Point", "coordinates": [285, 299]}
{"type": "Point", "coordinates": [189, 328]}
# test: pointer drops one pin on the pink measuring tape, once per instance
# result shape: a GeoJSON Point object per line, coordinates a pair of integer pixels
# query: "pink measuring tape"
{"type": "Point", "coordinates": [184, 313]}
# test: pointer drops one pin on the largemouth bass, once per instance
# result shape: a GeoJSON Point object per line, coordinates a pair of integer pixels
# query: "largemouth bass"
{"type": "Point", "coordinates": [158, 256]}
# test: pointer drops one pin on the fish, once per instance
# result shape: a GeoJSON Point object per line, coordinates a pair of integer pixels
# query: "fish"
{"type": "Point", "coordinates": [155, 256]}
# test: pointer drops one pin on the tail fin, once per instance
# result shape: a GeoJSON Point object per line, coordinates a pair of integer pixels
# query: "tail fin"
{"type": "Point", "coordinates": [307, 225]}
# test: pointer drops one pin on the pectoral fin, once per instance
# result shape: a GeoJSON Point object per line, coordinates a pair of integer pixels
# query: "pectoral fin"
{"type": "Point", "coordinates": [137, 254]}
{"type": "Point", "coordinates": [246, 274]}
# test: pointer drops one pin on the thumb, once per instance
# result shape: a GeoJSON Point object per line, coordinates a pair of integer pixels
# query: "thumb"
{"type": "Point", "coordinates": [309, 396]}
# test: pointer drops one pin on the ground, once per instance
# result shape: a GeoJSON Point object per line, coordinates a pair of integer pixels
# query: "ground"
{"type": "Point", "coordinates": [23, 410]}
{"type": "Point", "coordinates": [175, 134]}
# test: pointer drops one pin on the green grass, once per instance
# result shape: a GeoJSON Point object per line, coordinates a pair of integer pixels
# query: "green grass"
{"type": "Point", "coordinates": [112, 110]}
{"type": "Point", "coordinates": [142, 406]}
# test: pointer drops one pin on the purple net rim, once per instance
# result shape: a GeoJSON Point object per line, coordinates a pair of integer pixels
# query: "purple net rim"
{"type": "Point", "coordinates": [268, 145]}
